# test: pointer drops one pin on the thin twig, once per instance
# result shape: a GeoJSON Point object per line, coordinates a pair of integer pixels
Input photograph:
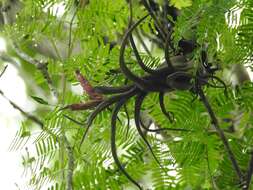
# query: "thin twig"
{"type": "Point", "coordinates": [209, 169]}
{"type": "Point", "coordinates": [249, 173]}
{"type": "Point", "coordinates": [138, 35]}
{"type": "Point", "coordinates": [221, 134]}
{"type": "Point", "coordinates": [42, 66]}
{"type": "Point", "coordinates": [73, 120]}
{"type": "Point", "coordinates": [70, 170]}
{"type": "Point", "coordinates": [3, 71]}
{"type": "Point", "coordinates": [154, 40]}
{"type": "Point", "coordinates": [70, 32]}
{"type": "Point", "coordinates": [157, 22]}
{"type": "Point", "coordinates": [86, 86]}
{"type": "Point", "coordinates": [27, 115]}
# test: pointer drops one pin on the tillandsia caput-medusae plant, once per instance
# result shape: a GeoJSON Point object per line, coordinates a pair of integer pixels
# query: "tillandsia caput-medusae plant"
{"type": "Point", "coordinates": [156, 95]}
{"type": "Point", "coordinates": [188, 75]}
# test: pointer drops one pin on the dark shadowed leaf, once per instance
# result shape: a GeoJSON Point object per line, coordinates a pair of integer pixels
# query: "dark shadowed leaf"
{"type": "Point", "coordinates": [39, 100]}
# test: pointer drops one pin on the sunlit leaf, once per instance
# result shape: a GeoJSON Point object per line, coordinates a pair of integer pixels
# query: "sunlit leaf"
{"type": "Point", "coordinates": [181, 3]}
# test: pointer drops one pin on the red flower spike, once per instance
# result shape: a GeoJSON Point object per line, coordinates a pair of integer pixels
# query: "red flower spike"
{"type": "Point", "coordinates": [83, 106]}
{"type": "Point", "coordinates": [87, 87]}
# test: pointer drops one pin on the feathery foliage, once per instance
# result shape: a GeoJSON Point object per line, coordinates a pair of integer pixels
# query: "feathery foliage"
{"type": "Point", "coordinates": [88, 36]}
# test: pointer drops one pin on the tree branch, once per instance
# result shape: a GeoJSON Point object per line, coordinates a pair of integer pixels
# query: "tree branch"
{"type": "Point", "coordinates": [249, 173]}
{"type": "Point", "coordinates": [40, 65]}
{"type": "Point", "coordinates": [70, 169]}
{"type": "Point", "coordinates": [27, 115]}
{"type": "Point", "coordinates": [221, 135]}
